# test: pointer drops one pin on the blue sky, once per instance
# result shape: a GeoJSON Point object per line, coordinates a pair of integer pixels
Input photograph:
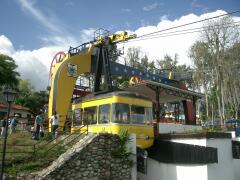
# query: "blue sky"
{"type": "Point", "coordinates": [72, 16]}
{"type": "Point", "coordinates": [32, 31]}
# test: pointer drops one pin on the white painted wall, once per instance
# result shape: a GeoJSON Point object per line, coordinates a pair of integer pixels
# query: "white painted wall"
{"type": "Point", "coordinates": [236, 163]}
{"type": "Point", "coordinates": [190, 172]}
{"type": "Point", "coordinates": [199, 142]}
{"type": "Point", "coordinates": [131, 146]}
{"type": "Point", "coordinates": [164, 171]}
{"type": "Point", "coordinates": [227, 168]}
{"type": "Point", "coordinates": [177, 128]}
{"type": "Point", "coordinates": [224, 169]}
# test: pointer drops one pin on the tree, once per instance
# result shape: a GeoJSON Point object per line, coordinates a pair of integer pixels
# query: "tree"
{"type": "Point", "coordinates": [8, 74]}
{"type": "Point", "coordinates": [168, 63]}
{"type": "Point", "coordinates": [232, 83]}
{"type": "Point", "coordinates": [201, 59]}
{"type": "Point", "coordinates": [138, 59]}
{"type": "Point", "coordinates": [133, 56]}
{"type": "Point", "coordinates": [144, 65]}
{"type": "Point", "coordinates": [28, 97]}
{"type": "Point", "coordinates": [25, 90]}
{"type": "Point", "coordinates": [151, 66]}
{"type": "Point", "coordinates": [213, 59]}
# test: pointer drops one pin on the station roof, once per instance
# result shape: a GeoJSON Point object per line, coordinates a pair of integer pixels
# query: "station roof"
{"type": "Point", "coordinates": [131, 94]}
{"type": "Point", "coordinates": [167, 93]}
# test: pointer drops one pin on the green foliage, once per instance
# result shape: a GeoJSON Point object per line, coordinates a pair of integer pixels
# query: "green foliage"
{"type": "Point", "coordinates": [151, 66]}
{"type": "Point", "coordinates": [121, 151]}
{"type": "Point", "coordinates": [216, 60]}
{"type": "Point", "coordinates": [168, 62]}
{"type": "Point", "coordinates": [8, 75]}
{"type": "Point", "coordinates": [215, 130]}
{"type": "Point", "coordinates": [23, 159]}
{"type": "Point", "coordinates": [133, 56]}
{"type": "Point", "coordinates": [121, 81]}
{"type": "Point", "coordinates": [28, 97]}
{"type": "Point", "coordinates": [203, 116]}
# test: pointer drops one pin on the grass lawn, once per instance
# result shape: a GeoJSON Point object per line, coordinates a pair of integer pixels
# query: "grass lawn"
{"type": "Point", "coordinates": [24, 155]}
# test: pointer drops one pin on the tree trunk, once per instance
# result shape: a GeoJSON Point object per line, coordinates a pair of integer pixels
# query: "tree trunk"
{"type": "Point", "coordinates": [206, 100]}
{"type": "Point", "coordinates": [212, 114]}
{"type": "Point", "coordinates": [236, 100]}
{"type": "Point", "coordinates": [219, 98]}
{"type": "Point", "coordinates": [223, 104]}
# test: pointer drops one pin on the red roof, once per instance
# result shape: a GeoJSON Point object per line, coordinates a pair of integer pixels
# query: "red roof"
{"type": "Point", "coordinates": [15, 106]}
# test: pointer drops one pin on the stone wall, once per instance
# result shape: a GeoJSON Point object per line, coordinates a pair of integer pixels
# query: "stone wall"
{"type": "Point", "coordinates": [90, 159]}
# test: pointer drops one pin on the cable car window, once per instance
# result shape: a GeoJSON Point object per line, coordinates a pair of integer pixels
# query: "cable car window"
{"type": "Point", "coordinates": [137, 114]}
{"type": "Point", "coordinates": [104, 114]}
{"type": "Point", "coordinates": [148, 115]}
{"type": "Point", "coordinates": [90, 115]}
{"type": "Point", "coordinates": [77, 117]}
{"type": "Point", "coordinates": [120, 113]}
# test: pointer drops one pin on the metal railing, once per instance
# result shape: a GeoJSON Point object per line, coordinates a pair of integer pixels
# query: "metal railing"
{"type": "Point", "coordinates": [44, 145]}
{"type": "Point", "coordinates": [59, 142]}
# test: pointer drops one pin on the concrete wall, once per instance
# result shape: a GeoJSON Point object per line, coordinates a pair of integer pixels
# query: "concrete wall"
{"type": "Point", "coordinates": [168, 171]}
{"type": "Point", "coordinates": [164, 171]}
{"type": "Point", "coordinates": [131, 146]}
{"type": "Point", "coordinates": [224, 169]}
{"type": "Point", "coordinates": [177, 128]}
{"type": "Point", "coordinates": [236, 164]}
{"type": "Point", "coordinates": [227, 168]}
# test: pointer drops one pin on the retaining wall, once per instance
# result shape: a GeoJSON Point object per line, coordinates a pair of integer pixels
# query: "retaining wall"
{"type": "Point", "coordinates": [91, 158]}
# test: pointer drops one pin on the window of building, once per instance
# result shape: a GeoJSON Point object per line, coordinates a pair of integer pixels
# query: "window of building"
{"type": "Point", "coordinates": [148, 115]}
{"type": "Point", "coordinates": [77, 117]}
{"type": "Point", "coordinates": [120, 113]}
{"type": "Point", "coordinates": [137, 114]}
{"type": "Point", "coordinates": [104, 114]}
{"type": "Point", "coordinates": [90, 115]}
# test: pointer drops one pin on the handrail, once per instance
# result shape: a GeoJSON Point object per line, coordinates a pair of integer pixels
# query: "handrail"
{"type": "Point", "coordinates": [76, 138]}
{"type": "Point", "coordinates": [66, 138]}
{"type": "Point", "coordinates": [38, 146]}
{"type": "Point", "coordinates": [49, 142]}
{"type": "Point", "coordinates": [39, 142]}
{"type": "Point", "coordinates": [63, 141]}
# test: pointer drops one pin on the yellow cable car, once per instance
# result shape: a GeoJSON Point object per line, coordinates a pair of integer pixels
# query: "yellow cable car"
{"type": "Point", "coordinates": [116, 111]}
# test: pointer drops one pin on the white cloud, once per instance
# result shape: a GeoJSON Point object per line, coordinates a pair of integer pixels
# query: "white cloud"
{"type": "Point", "coordinates": [87, 35]}
{"type": "Point", "coordinates": [58, 33]}
{"type": "Point", "coordinates": [144, 22]}
{"type": "Point", "coordinates": [126, 10]}
{"type": "Point", "coordinates": [156, 48]}
{"type": "Point", "coordinates": [28, 5]}
{"type": "Point", "coordinates": [150, 7]}
{"type": "Point", "coordinates": [164, 18]}
{"type": "Point", "coordinates": [6, 46]}
{"type": "Point", "coordinates": [33, 65]}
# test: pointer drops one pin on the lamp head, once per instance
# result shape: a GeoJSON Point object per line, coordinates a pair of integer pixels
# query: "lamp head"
{"type": "Point", "coordinates": [9, 95]}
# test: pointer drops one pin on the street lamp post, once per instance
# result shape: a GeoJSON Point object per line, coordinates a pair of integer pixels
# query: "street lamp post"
{"type": "Point", "coordinates": [9, 96]}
